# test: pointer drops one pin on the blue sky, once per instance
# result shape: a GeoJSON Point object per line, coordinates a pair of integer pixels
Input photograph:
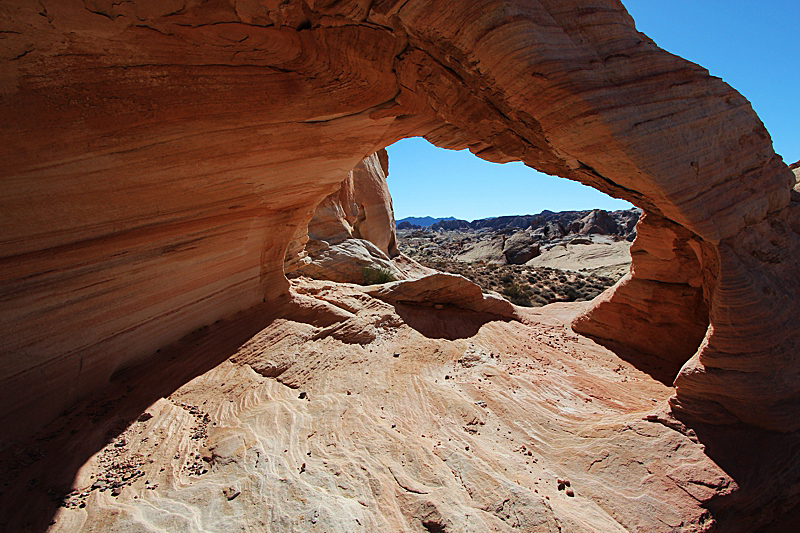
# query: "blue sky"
{"type": "Point", "coordinates": [753, 46]}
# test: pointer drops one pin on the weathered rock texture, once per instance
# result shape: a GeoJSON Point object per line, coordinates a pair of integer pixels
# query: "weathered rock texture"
{"type": "Point", "coordinates": [361, 208]}
{"type": "Point", "coordinates": [158, 157]}
{"type": "Point", "coordinates": [352, 229]}
{"type": "Point", "coordinates": [611, 259]}
{"type": "Point", "coordinates": [442, 289]}
{"type": "Point", "coordinates": [660, 303]}
{"type": "Point", "coordinates": [337, 411]}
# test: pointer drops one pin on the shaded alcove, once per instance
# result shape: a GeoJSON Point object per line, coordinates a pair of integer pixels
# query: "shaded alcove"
{"type": "Point", "coordinates": [157, 164]}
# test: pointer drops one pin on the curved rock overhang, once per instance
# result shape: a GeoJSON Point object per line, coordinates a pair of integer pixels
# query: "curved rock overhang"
{"type": "Point", "coordinates": [157, 157]}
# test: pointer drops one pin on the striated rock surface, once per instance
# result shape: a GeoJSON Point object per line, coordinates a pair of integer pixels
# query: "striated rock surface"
{"type": "Point", "coordinates": [488, 249]}
{"type": "Point", "coordinates": [441, 288]}
{"type": "Point", "coordinates": [344, 415]}
{"type": "Point", "coordinates": [360, 209]}
{"type": "Point", "coordinates": [660, 304]}
{"type": "Point", "coordinates": [336, 411]}
{"type": "Point", "coordinates": [158, 158]}
{"type": "Point", "coordinates": [345, 262]}
{"type": "Point", "coordinates": [351, 230]}
{"type": "Point", "coordinates": [601, 258]}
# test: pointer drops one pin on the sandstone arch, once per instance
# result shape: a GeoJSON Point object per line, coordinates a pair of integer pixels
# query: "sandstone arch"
{"type": "Point", "coordinates": [157, 156]}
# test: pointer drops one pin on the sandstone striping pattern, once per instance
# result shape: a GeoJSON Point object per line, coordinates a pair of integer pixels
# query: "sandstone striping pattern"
{"type": "Point", "coordinates": [352, 229]}
{"type": "Point", "coordinates": [352, 414]}
{"type": "Point", "coordinates": [184, 144]}
{"type": "Point", "coordinates": [158, 158]}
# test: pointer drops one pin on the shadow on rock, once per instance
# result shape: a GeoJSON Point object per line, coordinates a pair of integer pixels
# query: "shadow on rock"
{"type": "Point", "coordinates": [449, 322]}
{"type": "Point", "coordinates": [766, 469]}
{"type": "Point", "coordinates": [37, 475]}
{"type": "Point", "coordinates": [657, 368]}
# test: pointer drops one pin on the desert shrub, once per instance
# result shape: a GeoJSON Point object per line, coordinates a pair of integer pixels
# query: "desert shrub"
{"type": "Point", "coordinates": [508, 279]}
{"type": "Point", "coordinates": [570, 293]}
{"type": "Point", "coordinates": [517, 295]}
{"type": "Point", "coordinates": [538, 300]}
{"type": "Point", "coordinates": [373, 276]}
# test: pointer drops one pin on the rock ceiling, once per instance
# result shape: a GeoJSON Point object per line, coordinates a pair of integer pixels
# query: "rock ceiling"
{"type": "Point", "coordinates": [157, 158]}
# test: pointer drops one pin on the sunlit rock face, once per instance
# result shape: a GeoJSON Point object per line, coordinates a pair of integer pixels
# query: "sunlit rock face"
{"type": "Point", "coordinates": [351, 233]}
{"type": "Point", "coordinates": [158, 158]}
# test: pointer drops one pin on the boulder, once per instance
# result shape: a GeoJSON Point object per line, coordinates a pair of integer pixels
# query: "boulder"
{"type": "Point", "coordinates": [598, 222]}
{"type": "Point", "coordinates": [520, 248]}
{"type": "Point", "coordinates": [488, 248]}
{"type": "Point", "coordinates": [443, 289]}
{"type": "Point", "coordinates": [346, 261]}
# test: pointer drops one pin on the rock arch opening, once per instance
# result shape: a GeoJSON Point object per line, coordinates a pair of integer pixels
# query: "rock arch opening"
{"type": "Point", "coordinates": [157, 159]}
{"type": "Point", "coordinates": [662, 307]}
{"type": "Point", "coordinates": [195, 158]}
{"type": "Point", "coordinates": [510, 224]}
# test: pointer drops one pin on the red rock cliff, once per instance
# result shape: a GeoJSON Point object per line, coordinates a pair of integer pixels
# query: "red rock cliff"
{"type": "Point", "coordinates": [157, 158]}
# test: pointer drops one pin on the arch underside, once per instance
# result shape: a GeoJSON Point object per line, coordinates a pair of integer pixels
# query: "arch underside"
{"type": "Point", "coordinates": [157, 160]}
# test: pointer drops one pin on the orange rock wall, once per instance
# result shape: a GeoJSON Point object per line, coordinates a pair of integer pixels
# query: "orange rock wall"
{"type": "Point", "coordinates": [158, 157]}
{"type": "Point", "coordinates": [360, 208]}
{"type": "Point", "coordinates": [660, 304]}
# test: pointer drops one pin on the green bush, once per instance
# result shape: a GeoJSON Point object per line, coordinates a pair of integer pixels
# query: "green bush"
{"type": "Point", "coordinates": [539, 300]}
{"type": "Point", "coordinates": [374, 276]}
{"type": "Point", "coordinates": [571, 293]}
{"type": "Point", "coordinates": [517, 295]}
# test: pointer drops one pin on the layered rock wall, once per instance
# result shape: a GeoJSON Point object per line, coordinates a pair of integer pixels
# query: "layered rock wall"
{"type": "Point", "coordinates": [158, 158]}
{"type": "Point", "coordinates": [350, 237]}
{"type": "Point", "coordinates": [660, 303]}
{"type": "Point", "coordinates": [361, 208]}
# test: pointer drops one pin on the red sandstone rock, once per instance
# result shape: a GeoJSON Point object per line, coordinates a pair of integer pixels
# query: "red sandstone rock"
{"type": "Point", "coordinates": [443, 288]}
{"type": "Point", "coordinates": [660, 305]}
{"type": "Point", "coordinates": [157, 159]}
{"type": "Point", "coordinates": [361, 208]}
{"type": "Point", "coordinates": [352, 229]}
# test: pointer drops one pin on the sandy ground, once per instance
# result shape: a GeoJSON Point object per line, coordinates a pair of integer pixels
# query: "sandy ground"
{"type": "Point", "coordinates": [352, 415]}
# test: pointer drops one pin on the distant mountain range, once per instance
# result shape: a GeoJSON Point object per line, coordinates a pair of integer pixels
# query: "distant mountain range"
{"type": "Point", "coordinates": [422, 222]}
{"type": "Point", "coordinates": [548, 223]}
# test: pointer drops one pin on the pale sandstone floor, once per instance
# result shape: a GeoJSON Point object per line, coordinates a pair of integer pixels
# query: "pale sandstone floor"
{"type": "Point", "coordinates": [466, 429]}
{"type": "Point", "coordinates": [611, 259]}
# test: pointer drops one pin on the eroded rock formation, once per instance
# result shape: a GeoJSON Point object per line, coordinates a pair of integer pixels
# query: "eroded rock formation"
{"type": "Point", "coordinates": [158, 157]}
{"type": "Point", "coordinates": [352, 229]}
